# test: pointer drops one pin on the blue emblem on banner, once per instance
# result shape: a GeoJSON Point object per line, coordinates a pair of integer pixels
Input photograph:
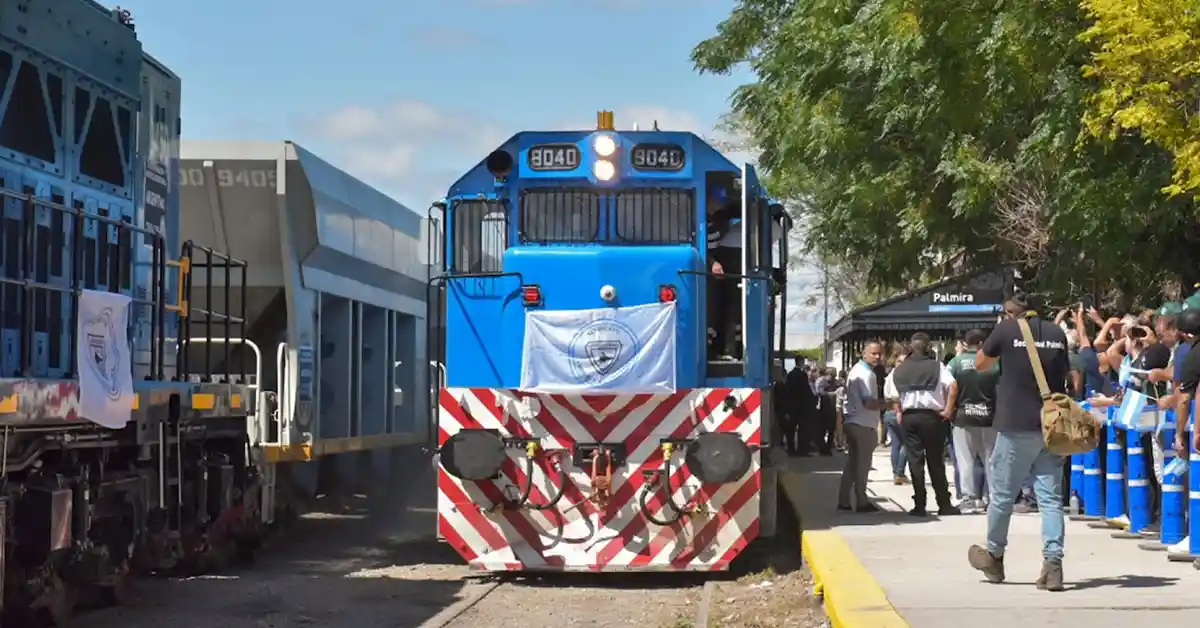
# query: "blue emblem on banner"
{"type": "Point", "coordinates": [601, 349]}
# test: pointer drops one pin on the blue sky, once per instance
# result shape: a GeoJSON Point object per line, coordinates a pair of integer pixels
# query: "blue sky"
{"type": "Point", "coordinates": [406, 95]}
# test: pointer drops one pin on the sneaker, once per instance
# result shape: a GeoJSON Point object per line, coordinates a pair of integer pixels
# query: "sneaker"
{"type": "Point", "coordinates": [949, 511]}
{"type": "Point", "coordinates": [991, 565]}
{"type": "Point", "coordinates": [900, 480]}
{"type": "Point", "coordinates": [968, 507]}
{"type": "Point", "coordinates": [1024, 508]}
{"type": "Point", "coordinates": [981, 505]}
{"type": "Point", "coordinates": [1052, 576]}
{"type": "Point", "coordinates": [844, 507]}
{"type": "Point", "coordinates": [918, 512]}
{"type": "Point", "coordinates": [868, 507]}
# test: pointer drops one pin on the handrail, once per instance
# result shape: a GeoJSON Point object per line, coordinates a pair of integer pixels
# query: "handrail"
{"type": "Point", "coordinates": [286, 403]}
{"type": "Point", "coordinates": [257, 385]}
{"type": "Point", "coordinates": [430, 347]}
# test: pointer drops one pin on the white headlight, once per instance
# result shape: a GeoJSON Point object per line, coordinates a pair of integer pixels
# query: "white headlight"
{"type": "Point", "coordinates": [604, 170]}
{"type": "Point", "coordinates": [604, 145]}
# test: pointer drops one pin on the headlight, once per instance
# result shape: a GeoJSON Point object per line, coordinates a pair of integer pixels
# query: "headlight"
{"type": "Point", "coordinates": [604, 145]}
{"type": "Point", "coordinates": [718, 458]}
{"type": "Point", "coordinates": [604, 170]}
{"type": "Point", "coordinates": [473, 455]}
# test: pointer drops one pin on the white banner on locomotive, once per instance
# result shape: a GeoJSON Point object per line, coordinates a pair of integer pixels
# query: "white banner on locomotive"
{"type": "Point", "coordinates": [102, 358]}
{"type": "Point", "coordinates": [623, 350]}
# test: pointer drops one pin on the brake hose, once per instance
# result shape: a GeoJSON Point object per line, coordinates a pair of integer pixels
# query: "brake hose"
{"type": "Point", "coordinates": [678, 511]}
{"type": "Point", "coordinates": [527, 489]}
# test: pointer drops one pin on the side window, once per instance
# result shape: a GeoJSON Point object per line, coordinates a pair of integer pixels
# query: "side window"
{"type": "Point", "coordinates": [480, 236]}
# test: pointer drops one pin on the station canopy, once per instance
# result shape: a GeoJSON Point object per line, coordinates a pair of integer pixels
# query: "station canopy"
{"type": "Point", "coordinates": [943, 310]}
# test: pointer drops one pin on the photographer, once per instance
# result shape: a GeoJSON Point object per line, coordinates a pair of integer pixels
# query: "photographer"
{"type": "Point", "coordinates": [1139, 353]}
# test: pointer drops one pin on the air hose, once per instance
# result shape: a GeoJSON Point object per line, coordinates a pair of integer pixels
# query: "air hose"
{"type": "Point", "coordinates": [677, 512]}
{"type": "Point", "coordinates": [522, 501]}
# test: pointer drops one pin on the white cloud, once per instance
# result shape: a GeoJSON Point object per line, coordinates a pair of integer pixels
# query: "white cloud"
{"type": "Point", "coordinates": [407, 148]}
{"type": "Point", "coordinates": [414, 150]}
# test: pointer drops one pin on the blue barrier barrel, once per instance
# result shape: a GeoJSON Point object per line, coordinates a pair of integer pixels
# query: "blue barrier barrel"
{"type": "Point", "coordinates": [1194, 488]}
{"type": "Point", "coordinates": [1193, 523]}
{"type": "Point", "coordinates": [1114, 477]}
{"type": "Point", "coordinates": [1175, 496]}
{"type": "Point", "coordinates": [1173, 499]}
{"type": "Point", "coordinates": [1077, 477]}
{"type": "Point", "coordinates": [1093, 483]}
{"type": "Point", "coordinates": [1139, 487]}
{"type": "Point", "coordinates": [1087, 483]}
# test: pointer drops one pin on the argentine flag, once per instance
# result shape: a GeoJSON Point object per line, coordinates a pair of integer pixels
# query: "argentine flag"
{"type": "Point", "coordinates": [1138, 412]}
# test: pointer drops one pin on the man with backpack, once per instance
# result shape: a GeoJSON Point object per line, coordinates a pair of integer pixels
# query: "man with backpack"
{"type": "Point", "coordinates": [1020, 445]}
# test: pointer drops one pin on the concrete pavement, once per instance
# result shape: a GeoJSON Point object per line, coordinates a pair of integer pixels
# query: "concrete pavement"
{"type": "Point", "coordinates": [889, 569]}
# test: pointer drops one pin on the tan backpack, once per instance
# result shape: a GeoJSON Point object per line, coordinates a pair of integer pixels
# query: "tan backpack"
{"type": "Point", "coordinates": [1066, 427]}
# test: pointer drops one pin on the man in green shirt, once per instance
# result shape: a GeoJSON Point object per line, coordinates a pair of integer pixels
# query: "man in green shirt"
{"type": "Point", "coordinates": [975, 408]}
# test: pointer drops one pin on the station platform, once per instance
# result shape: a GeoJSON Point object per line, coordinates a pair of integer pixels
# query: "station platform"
{"type": "Point", "coordinates": [890, 570]}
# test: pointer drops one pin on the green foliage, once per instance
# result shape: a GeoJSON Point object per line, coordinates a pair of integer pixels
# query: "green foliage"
{"type": "Point", "coordinates": [813, 354]}
{"type": "Point", "coordinates": [1147, 62]}
{"type": "Point", "coordinates": [947, 135]}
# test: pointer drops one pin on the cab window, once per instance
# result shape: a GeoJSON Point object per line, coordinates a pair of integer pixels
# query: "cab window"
{"type": "Point", "coordinates": [559, 215]}
{"type": "Point", "coordinates": [654, 216]}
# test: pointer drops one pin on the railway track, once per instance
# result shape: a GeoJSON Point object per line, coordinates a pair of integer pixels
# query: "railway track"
{"type": "Point", "coordinates": [747, 595]}
{"type": "Point", "coordinates": [350, 568]}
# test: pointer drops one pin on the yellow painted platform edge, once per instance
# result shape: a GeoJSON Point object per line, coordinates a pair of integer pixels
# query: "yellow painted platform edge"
{"type": "Point", "coordinates": [853, 598]}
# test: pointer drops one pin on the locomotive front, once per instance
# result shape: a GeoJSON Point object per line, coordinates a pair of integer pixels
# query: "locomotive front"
{"type": "Point", "coordinates": [580, 426]}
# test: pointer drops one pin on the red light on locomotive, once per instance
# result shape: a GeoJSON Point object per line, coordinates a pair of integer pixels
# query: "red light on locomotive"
{"type": "Point", "coordinates": [666, 294]}
{"type": "Point", "coordinates": [531, 296]}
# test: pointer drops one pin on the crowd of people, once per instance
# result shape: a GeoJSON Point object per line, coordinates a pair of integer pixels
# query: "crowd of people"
{"type": "Point", "coordinates": [935, 407]}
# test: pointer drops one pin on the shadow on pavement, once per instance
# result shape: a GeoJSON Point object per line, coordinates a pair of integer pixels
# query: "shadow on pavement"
{"type": "Point", "coordinates": [350, 561]}
{"type": "Point", "coordinates": [816, 480]}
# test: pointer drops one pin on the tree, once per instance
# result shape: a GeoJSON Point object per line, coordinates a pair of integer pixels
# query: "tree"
{"type": "Point", "coordinates": [1146, 60]}
{"type": "Point", "coordinates": [919, 133]}
{"type": "Point", "coordinates": [820, 273]}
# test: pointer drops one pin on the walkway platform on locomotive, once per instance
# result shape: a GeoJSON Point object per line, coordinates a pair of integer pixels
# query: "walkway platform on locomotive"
{"type": "Point", "coordinates": [889, 570]}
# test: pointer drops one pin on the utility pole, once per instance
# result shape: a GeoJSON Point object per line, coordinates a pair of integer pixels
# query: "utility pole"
{"type": "Point", "coordinates": [825, 307]}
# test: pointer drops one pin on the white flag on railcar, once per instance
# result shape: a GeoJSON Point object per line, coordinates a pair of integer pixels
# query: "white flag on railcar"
{"type": "Point", "coordinates": [102, 358]}
{"type": "Point", "coordinates": [627, 350]}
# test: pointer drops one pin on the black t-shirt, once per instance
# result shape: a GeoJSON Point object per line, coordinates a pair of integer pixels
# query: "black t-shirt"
{"type": "Point", "coordinates": [1189, 377]}
{"type": "Point", "coordinates": [1155, 356]}
{"type": "Point", "coordinates": [1019, 406]}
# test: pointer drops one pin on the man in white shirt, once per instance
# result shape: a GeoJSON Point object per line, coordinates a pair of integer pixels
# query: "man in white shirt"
{"type": "Point", "coordinates": [859, 425]}
{"type": "Point", "coordinates": [926, 391]}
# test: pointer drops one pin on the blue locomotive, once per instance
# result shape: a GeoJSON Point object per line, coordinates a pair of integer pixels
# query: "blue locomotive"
{"type": "Point", "coordinates": [119, 454]}
{"type": "Point", "coordinates": [582, 398]}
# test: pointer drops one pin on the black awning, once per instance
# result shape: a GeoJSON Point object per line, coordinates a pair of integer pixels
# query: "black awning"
{"type": "Point", "coordinates": [943, 309]}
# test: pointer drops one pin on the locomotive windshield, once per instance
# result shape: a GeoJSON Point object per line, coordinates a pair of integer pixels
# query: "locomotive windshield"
{"type": "Point", "coordinates": [661, 216]}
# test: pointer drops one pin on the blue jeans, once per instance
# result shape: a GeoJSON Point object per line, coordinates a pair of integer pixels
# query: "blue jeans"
{"type": "Point", "coordinates": [1016, 455]}
{"type": "Point", "coordinates": [958, 492]}
{"type": "Point", "coordinates": [899, 451]}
